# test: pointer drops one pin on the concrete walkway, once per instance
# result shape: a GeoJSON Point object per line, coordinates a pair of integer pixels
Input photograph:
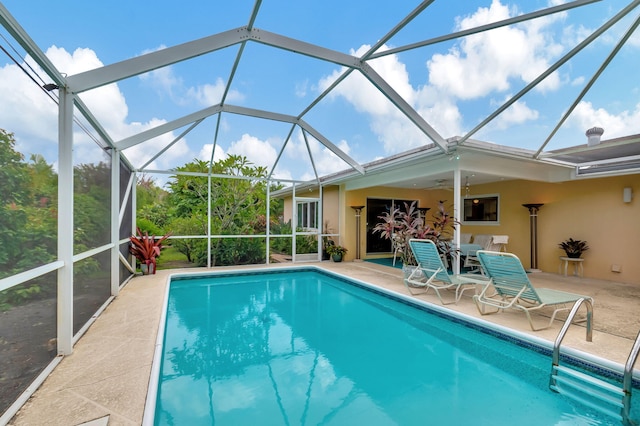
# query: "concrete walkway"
{"type": "Point", "coordinates": [105, 380]}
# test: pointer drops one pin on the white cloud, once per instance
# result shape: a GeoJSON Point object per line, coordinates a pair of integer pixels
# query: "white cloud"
{"type": "Point", "coordinates": [585, 116]}
{"type": "Point", "coordinates": [394, 130]}
{"type": "Point", "coordinates": [25, 110]}
{"type": "Point", "coordinates": [211, 94]}
{"type": "Point", "coordinates": [205, 153]}
{"type": "Point", "coordinates": [166, 82]}
{"type": "Point", "coordinates": [325, 161]}
{"type": "Point", "coordinates": [517, 113]}
{"type": "Point", "coordinates": [301, 88]}
{"type": "Point", "coordinates": [259, 152]}
{"type": "Point", "coordinates": [163, 80]}
{"type": "Point", "coordinates": [478, 66]}
{"type": "Point", "coordinates": [24, 104]}
{"type": "Point", "coordinates": [491, 61]}
{"type": "Point", "coordinates": [578, 81]}
{"type": "Point", "coordinates": [442, 113]}
{"type": "Point", "coordinates": [179, 153]}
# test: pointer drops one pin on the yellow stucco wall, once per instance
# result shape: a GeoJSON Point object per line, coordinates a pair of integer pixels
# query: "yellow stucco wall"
{"type": "Point", "coordinates": [330, 213]}
{"type": "Point", "coordinates": [359, 198]}
{"type": "Point", "coordinates": [590, 209]}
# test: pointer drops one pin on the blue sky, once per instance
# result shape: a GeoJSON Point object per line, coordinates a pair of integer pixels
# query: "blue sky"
{"type": "Point", "coordinates": [454, 85]}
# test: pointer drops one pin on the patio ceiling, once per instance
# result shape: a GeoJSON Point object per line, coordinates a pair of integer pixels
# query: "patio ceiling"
{"type": "Point", "coordinates": [250, 37]}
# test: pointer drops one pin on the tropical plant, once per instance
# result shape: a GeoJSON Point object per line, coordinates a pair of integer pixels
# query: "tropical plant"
{"type": "Point", "coordinates": [336, 249]}
{"type": "Point", "coordinates": [146, 249]}
{"type": "Point", "coordinates": [573, 248]}
{"type": "Point", "coordinates": [336, 252]}
{"type": "Point", "coordinates": [400, 226]}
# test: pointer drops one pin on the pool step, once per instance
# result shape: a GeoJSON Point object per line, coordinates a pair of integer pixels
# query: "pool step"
{"type": "Point", "coordinates": [588, 390]}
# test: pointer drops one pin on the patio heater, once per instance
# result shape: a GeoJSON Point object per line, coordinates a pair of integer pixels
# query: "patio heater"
{"type": "Point", "coordinates": [358, 210]}
{"type": "Point", "coordinates": [533, 228]}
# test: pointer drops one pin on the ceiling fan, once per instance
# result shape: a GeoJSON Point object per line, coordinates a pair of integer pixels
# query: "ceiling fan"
{"type": "Point", "coordinates": [441, 184]}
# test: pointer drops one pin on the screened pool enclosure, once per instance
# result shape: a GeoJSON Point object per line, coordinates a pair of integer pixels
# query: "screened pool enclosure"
{"type": "Point", "coordinates": [74, 156]}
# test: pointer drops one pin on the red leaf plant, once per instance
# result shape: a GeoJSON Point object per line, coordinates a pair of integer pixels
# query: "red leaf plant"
{"type": "Point", "coordinates": [146, 248]}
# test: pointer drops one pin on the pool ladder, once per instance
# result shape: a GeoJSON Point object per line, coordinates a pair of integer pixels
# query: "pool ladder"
{"type": "Point", "coordinates": [610, 399]}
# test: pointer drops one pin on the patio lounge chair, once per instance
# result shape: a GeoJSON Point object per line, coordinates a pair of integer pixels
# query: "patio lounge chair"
{"type": "Point", "coordinates": [432, 273]}
{"type": "Point", "coordinates": [489, 243]}
{"type": "Point", "coordinates": [511, 288]}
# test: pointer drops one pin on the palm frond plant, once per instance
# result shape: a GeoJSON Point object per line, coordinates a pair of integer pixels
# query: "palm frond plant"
{"type": "Point", "coordinates": [574, 248]}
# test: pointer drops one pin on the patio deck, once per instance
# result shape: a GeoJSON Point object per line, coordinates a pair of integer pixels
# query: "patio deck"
{"type": "Point", "coordinates": [106, 377]}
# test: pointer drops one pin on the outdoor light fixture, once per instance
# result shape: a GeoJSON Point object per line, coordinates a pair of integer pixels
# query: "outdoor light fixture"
{"type": "Point", "coordinates": [358, 210]}
{"type": "Point", "coordinates": [50, 86]}
{"type": "Point", "coordinates": [533, 229]}
{"type": "Point", "coordinates": [627, 194]}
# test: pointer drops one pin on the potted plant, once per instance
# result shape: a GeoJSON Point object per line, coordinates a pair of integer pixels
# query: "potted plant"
{"type": "Point", "coordinates": [146, 249]}
{"type": "Point", "coordinates": [402, 225]}
{"type": "Point", "coordinates": [325, 248]}
{"type": "Point", "coordinates": [336, 252]}
{"type": "Point", "coordinates": [574, 248]}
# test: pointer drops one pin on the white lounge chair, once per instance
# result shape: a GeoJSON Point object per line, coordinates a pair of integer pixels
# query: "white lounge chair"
{"type": "Point", "coordinates": [511, 289]}
{"type": "Point", "coordinates": [432, 273]}
{"type": "Point", "coordinates": [489, 243]}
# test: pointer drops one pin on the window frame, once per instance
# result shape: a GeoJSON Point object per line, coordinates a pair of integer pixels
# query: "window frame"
{"type": "Point", "coordinates": [309, 207]}
{"type": "Point", "coordinates": [487, 197]}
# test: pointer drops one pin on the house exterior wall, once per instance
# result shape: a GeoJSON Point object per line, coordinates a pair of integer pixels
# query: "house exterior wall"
{"type": "Point", "coordinates": [592, 210]}
{"type": "Point", "coordinates": [330, 212]}
{"type": "Point", "coordinates": [359, 198]}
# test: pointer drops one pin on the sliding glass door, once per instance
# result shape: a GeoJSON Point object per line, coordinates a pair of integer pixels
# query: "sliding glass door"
{"type": "Point", "coordinates": [376, 207]}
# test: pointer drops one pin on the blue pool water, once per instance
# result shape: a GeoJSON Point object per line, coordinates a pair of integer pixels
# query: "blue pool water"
{"type": "Point", "coordinates": [304, 347]}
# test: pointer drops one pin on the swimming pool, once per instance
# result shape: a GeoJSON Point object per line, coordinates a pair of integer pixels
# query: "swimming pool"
{"type": "Point", "coordinates": [304, 347]}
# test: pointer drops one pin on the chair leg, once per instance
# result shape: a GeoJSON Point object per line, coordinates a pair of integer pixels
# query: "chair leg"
{"type": "Point", "coordinates": [426, 289]}
{"type": "Point", "coordinates": [482, 306]}
{"type": "Point", "coordinates": [455, 299]}
{"type": "Point", "coordinates": [461, 289]}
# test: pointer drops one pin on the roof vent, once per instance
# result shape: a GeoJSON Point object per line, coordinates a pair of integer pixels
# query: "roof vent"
{"type": "Point", "coordinates": [593, 135]}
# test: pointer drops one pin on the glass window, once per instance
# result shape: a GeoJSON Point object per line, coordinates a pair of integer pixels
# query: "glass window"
{"type": "Point", "coordinates": [481, 209]}
{"type": "Point", "coordinates": [308, 215]}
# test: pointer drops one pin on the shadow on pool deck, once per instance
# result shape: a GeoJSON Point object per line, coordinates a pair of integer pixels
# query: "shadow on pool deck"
{"type": "Point", "coordinates": [108, 372]}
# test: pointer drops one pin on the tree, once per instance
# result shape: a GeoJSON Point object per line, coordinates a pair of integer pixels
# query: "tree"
{"type": "Point", "coordinates": [91, 205]}
{"type": "Point", "coordinates": [14, 192]}
{"type": "Point", "coordinates": [235, 203]}
{"type": "Point", "coordinates": [152, 214]}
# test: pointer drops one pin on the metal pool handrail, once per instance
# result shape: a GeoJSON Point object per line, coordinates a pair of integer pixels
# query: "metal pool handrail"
{"type": "Point", "coordinates": [627, 380]}
{"type": "Point", "coordinates": [567, 323]}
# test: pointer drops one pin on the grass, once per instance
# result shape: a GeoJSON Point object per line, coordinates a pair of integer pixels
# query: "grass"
{"type": "Point", "coordinates": [172, 258]}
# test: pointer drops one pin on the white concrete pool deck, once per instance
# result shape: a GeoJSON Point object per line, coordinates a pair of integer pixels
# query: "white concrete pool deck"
{"type": "Point", "coordinates": [105, 380]}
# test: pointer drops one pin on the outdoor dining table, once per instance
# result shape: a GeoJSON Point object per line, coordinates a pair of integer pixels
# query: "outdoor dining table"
{"type": "Point", "coordinates": [466, 249]}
